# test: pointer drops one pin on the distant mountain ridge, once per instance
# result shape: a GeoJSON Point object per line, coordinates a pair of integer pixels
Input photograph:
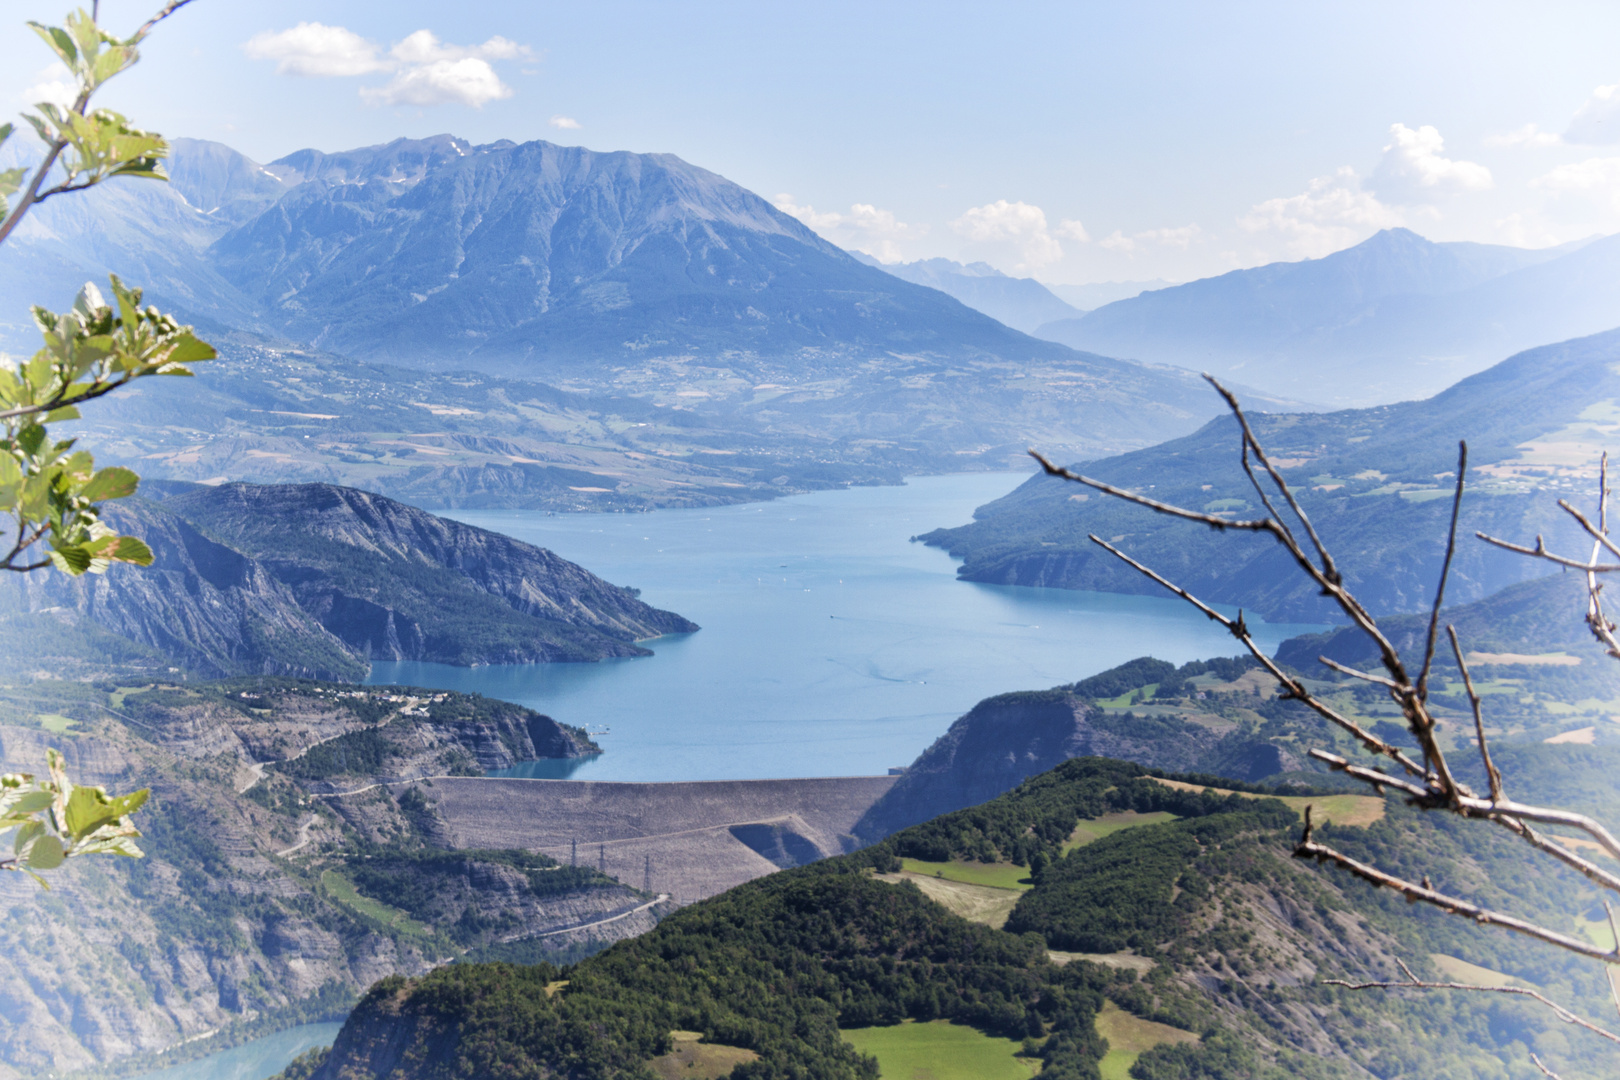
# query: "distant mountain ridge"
{"type": "Point", "coordinates": [632, 275]}
{"type": "Point", "coordinates": [1394, 318]}
{"type": "Point", "coordinates": [1021, 303]}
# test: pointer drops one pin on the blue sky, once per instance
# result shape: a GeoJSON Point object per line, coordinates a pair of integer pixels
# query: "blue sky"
{"type": "Point", "coordinates": [1072, 142]}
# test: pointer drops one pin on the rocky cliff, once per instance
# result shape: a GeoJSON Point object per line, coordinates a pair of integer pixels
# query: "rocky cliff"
{"type": "Point", "coordinates": [257, 906]}
{"type": "Point", "coordinates": [316, 580]}
{"type": "Point", "coordinates": [1197, 718]}
{"type": "Point", "coordinates": [205, 606]}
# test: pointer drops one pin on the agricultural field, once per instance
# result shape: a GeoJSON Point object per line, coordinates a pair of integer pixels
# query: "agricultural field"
{"type": "Point", "coordinates": [940, 1050]}
{"type": "Point", "coordinates": [976, 903]}
{"type": "Point", "coordinates": [1128, 1036]}
{"type": "Point", "coordinates": [995, 875]}
{"type": "Point", "coordinates": [1359, 811]}
{"type": "Point", "coordinates": [693, 1059]}
{"type": "Point", "coordinates": [1108, 824]}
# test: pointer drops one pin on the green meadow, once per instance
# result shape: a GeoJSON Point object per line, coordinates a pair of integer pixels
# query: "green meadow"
{"type": "Point", "coordinates": [940, 1050]}
{"type": "Point", "coordinates": [996, 875]}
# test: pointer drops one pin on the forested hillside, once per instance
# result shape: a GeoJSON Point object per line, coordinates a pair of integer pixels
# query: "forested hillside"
{"type": "Point", "coordinates": [1165, 901]}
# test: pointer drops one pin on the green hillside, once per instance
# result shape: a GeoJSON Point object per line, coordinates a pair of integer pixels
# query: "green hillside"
{"type": "Point", "coordinates": [1202, 932]}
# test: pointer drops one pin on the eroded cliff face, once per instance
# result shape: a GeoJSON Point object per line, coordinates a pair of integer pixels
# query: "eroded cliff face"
{"type": "Point", "coordinates": [315, 581]}
{"type": "Point", "coordinates": [253, 902]}
{"type": "Point", "coordinates": [398, 583]}
{"type": "Point", "coordinates": [208, 607]}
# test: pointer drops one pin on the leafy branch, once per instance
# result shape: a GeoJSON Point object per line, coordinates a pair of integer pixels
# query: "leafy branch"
{"type": "Point", "coordinates": [50, 490]}
{"type": "Point", "coordinates": [54, 820]}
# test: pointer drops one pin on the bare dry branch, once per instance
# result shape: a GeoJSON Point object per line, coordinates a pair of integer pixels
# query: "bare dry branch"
{"type": "Point", "coordinates": [1364, 676]}
{"type": "Point", "coordinates": [1452, 905]}
{"type": "Point", "coordinates": [1445, 572]}
{"type": "Point", "coordinates": [1256, 525]}
{"type": "Point", "coordinates": [1544, 1070]}
{"type": "Point", "coordinates": [1293, 687]}
{"type": "Point", "coordinates": [1329, 570]}
{"type": "Point", "coordinates": [1412, 983]}
{"type": "Point", "coordinates": [1492, 775]}
{"type": "Point", "coordinates": [1540, 552]}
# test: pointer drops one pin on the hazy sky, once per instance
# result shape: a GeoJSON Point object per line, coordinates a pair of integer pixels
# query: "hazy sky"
{"type": "Point", "coordinates": [1071, 142]}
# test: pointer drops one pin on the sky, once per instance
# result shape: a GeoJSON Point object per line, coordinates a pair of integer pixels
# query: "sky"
{"type": "Point", "coordinates": [1073, 142]}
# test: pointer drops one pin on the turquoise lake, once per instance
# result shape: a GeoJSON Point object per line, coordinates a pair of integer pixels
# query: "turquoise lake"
{"type": "Point", "coordinates": [832, 645]}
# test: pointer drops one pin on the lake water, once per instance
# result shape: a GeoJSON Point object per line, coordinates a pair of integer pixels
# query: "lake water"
{"type": "Point", "coordinates": [252, 1061]}
{"type": "Point", "coordinates": [831, 644]}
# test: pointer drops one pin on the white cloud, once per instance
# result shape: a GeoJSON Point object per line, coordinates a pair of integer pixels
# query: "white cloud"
{"type": "Point", "coordinates": [426, 70]}
{"type": "Point", "coordinates": [1597, 121]}
{"type": "Point", "coordinates": [1181, 238]}
{"type": "Point", "coordinates": [567, 123]}
{"type": "Point", "coordinates": [1070, 229]}
{"type": "Point", "coordinates": [1529, 135]}
{"type": "Point", "coordinates": [1332, 213]}
{"type": "Point", "coordinates": [469, 81]}
{"type": "Point", "coordinates": [865, 228]}
{"type": "Point", "coordinates": [1017, 226]}
{"type": "Point", "coordinates": [315, 49]}
{"type": "Point", "coordinates": [1413, 170]}
{"type": "Point", "coordinates": [1595, 178]}
{"type": "Point", "coordinates": [54, 84]}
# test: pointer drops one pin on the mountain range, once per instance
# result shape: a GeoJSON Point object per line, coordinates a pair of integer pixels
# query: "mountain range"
{"type": "Point", "coordinates": [1394, 318]}
{"type": "Point", "coordinates": [637, 278]}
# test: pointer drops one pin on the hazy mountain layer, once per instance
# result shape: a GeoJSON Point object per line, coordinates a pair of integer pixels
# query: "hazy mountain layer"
{"type": "Point", "coordinates": [1394, 318]}
{"type": "Point", "coordinates": [1021, 303]}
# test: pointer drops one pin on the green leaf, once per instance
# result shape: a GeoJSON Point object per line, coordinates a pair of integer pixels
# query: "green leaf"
{"type": "Point", "coordinates": [72, 561]}
{"type": "Point", "coordinates": [190, 351]}
{"type": "Point", "coordinates": [44, 853]}
{"type": "Point", "coordinates": [26, 835]}
{"type": "Point", "coordinates": [130, 550]}
{"type": "Point", "coordinates": [60, 41]}
{"type": "Point", "coordinates": [114, 482]}
{"type": "Point", "coordinates": [66, 412]}
{"type": "Point", "coordinates": [88, 809]}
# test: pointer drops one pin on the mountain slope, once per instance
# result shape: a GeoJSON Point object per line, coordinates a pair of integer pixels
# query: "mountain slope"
{"type": "Point", "coordinates": [235, 591]}
{"type": "Point", "coordinates": [1408, 315]}
{"type": "Point", "coordinates": [1374, 480]}
{"type": "Point", "coordinates": [1191, 916]}
{"type": "Point", "coordinates": [1021, 303]}
{"type": "Point", "coordinates": [399, 583]}
{"type": "Point", "coordinates": [556, 257]}
{"type": "Point", "coordinates": [256, 907]}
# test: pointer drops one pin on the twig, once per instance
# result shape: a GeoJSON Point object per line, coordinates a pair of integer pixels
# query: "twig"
{"type": "Point", "coordinates": [1445, 572]}
{"type": "Point", "coordinates": [1540, 552]}
{"type": "Point", "coordinates": [1492, 774]}
{"type": "Point", "coordinates": [1295, 689]}
{"type": "Point", "coordinates": [1452, 905]}
{"type": "Point", "coordinates": [1520, 991]}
